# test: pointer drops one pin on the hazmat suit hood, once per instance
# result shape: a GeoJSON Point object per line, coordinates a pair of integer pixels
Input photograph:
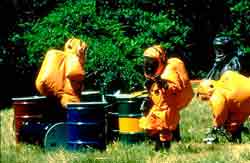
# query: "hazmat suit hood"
{"type": "Point", "coordinates": [223, 47]}
{"type": "Point", "coordinates": [206, 89]}
{"type": "Point", "coordinates": [154, 61]}
{"type": "Point", "coordinates": [76, 47]}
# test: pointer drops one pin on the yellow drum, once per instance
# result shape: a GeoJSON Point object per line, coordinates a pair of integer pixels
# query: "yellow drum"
{"type": "Point", "coordinates": [129, 123]}
{"type": "Point", "coordinates": [129, 114]}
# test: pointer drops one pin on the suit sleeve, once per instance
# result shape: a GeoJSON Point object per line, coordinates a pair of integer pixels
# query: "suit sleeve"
{"type": "Point", "coordinates": [174, 75]}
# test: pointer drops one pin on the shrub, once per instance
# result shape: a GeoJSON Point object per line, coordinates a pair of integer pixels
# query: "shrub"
{"type": "Point", "coordinates": [239, 30]}
{"type": "Point", "coordinates": [116, 39]}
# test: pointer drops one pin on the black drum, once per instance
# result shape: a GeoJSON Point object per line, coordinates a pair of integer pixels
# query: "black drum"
{"type": "Point", "coordinates": [113, 123]}
{"type": "Point", "coordinates": [91, 96]}
{"type": "Point", "coordinates": [46, 135]}
{"type": "Point", "coordinates": [33, 132]}
{"type": "Point", "coordinates": [112, 118]}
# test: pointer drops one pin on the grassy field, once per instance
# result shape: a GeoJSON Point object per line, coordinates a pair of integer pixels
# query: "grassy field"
{"type": "Point", "coordinates": [195, 119]}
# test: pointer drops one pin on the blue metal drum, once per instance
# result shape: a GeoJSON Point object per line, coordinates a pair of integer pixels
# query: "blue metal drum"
{"type": "Point", "coordinates": [86, 125]}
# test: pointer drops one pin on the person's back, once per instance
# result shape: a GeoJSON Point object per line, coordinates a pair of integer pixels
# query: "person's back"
{"type": "Point", "coordinates": [62, 72]}
{"type": "Point", "coordinates": [237, 91]}
{"type": "Point", "coordinates": [228, 98]}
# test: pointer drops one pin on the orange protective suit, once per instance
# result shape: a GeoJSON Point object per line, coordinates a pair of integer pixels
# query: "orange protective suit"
{"type": "Point", "coordinates": [164, 117]}
{"type": "Point", "coordinates": [62, 72]}
{"type": "Point", "coordinates": [75, 51]}
{"type": "Point", "coordinates": [229, 98]}
{"type": "Point", "coordinates": [50, 79]}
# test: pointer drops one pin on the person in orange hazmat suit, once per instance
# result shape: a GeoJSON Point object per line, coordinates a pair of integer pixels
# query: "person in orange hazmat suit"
{"type": "Point", "coordinates": [229, 99]}
{"type": "Point", "coordinates": [75, 57]}
{"type": "Point", "coordinates": [62, 72]}
{"type": "Point", "coordinates": [169, 90]}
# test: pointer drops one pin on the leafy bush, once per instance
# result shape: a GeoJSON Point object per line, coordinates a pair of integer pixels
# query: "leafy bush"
{"type": "Point", "coordinates": [240, 27]}
{"type": "Point", "coordinates": [116, 39]}
{"type": "Point", "coordinates": [33, 5]}
{"type": "Point", "coordinates": [118, 36]}
{"type": "Point", "coordinates": [239, 30]}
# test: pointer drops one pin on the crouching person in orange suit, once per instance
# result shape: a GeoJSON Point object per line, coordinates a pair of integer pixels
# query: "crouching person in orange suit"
{"type": "Point", "coordinates": [169, 90]}
{"type": "Point", "coordinates": [229, 99]}
{"type": "Point", "coordinates": [62, 72]}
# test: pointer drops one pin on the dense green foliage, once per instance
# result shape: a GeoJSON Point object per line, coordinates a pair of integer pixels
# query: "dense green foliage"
{"type": "Point", "coordinates": [118, 35]}
{"type": "Point", "coordinates": [116, 38]}
{"type": "Point", "coordinates": [240, 28]}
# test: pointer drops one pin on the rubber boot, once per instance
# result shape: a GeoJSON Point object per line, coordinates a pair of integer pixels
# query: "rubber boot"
{"type": "Point", "coordinates": [236, 136]}
{"type": "Point", "coordinates": [176, 134]}
{"type": "Point", "coordinates": [160, 146]}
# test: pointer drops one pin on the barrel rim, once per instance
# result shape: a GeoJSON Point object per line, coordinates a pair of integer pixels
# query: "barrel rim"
{"type": "Point", "coordinates": [133, 133]}
{"type": "Point", "coordinates": [129, 96]}
{"type": "Point", "coordinates": [24, 102]}
{"type": "Point", "coordinates": [93, 107]}
{"type": "Point", "coordinates": [39, 116]}
{"type": "Point", "coordinates": [113, 113]}
{"type": "Point", "coordinates": [28, 98]}
{"type": "Point", "coordinates": [130, 115]}
{"type": "Point", "coordinates": [125, 101]}
{"type": "Point", "coordinates": [81, 142]}
{"type": "Point", "coordinates": [85, 123]}
{"type": "Point", "coordinates": [90, 93]}
{"type": "Point", "coordinates": [87, 103]}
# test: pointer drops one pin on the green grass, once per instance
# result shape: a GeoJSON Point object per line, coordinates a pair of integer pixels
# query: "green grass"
{"type": "Point", "coordinates": [195, 119]}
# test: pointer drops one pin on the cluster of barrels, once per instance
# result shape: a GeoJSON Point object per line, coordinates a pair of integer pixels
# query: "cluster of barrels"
{"type": "Point", "coordinates": [94, 122]}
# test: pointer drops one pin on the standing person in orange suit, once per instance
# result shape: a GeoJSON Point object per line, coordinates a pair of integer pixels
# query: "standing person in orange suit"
{"type": "Point", "coordinates": [169, 90]}
{"type": "Point", "coordinates": [62, 72]}
{"type": "Point", "coordinates": [229, 99]}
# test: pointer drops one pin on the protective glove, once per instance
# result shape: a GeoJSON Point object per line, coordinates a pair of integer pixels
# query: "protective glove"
{"type": "Point", "coordinates": [213, 133]}
{"type": "Point", "coordinates": [211, 137]}
{"type": "Point", "coordinates": [146, 105]}
{"type": "Point", "coordinates": [161, 82]}
{"type": "Point", "coordinates": [222, 132]}
{"type": "Point", "coordinates": [210, 140]}
{"type": "Point", "coordinates": [148, 84]}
